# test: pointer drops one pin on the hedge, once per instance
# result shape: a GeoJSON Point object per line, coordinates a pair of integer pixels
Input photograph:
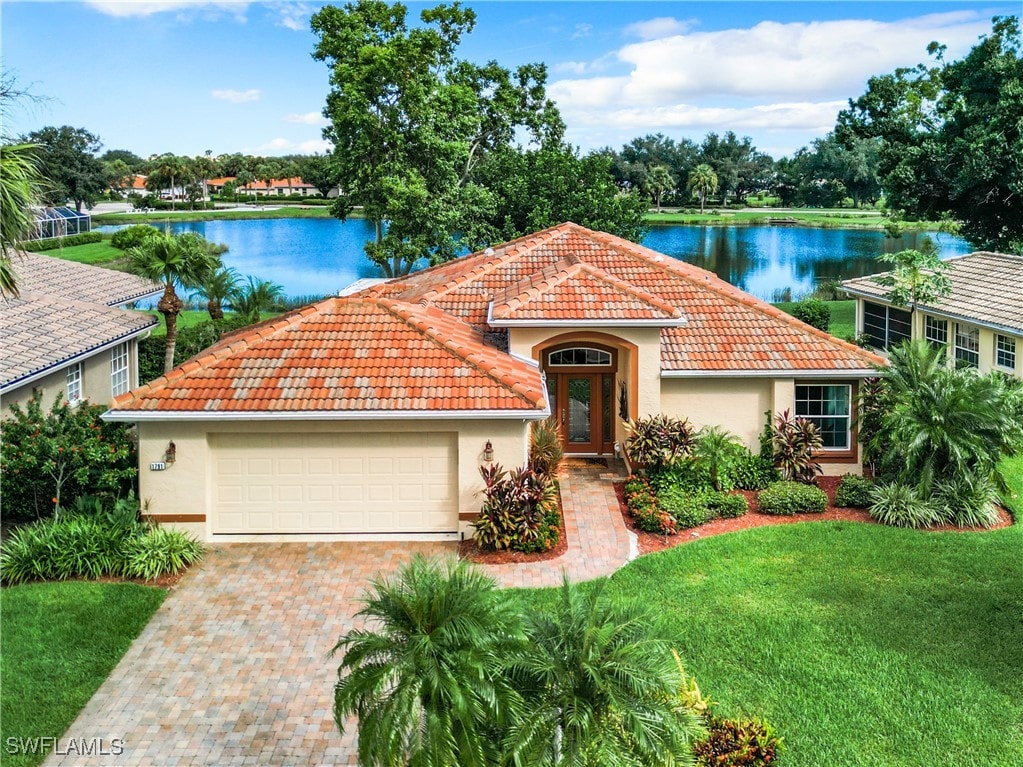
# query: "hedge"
{"type": "Point", "coordinates": [53, 243]}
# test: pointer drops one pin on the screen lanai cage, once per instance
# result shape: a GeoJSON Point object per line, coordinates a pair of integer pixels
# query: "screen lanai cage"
{"type": "Point", "coordinates": [59, 222]}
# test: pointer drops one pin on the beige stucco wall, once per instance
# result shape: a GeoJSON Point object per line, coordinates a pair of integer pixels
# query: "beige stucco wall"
{"type": "Point", "coordinates": [986, 362]}
{"type": "Point", "coordinates": [184, 487]}
{"type": "Point", "coordinates": [95, 381]}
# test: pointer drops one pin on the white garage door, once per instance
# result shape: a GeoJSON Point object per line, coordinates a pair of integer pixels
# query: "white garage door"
{"type": "Point", "coordinates": [334, 483]}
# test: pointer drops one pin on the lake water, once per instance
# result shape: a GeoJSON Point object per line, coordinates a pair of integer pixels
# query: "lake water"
{"type": "Point", "coordinates": [317, 257]}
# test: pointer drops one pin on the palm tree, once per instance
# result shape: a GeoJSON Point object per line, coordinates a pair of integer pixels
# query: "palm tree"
{"type": "Point", "coordinates": [704, 181]}
{"type": "Point", "coordinates": [174, 260]}
{"type": "Point", "coordinates": [216, 288]}
{"type": "Point", "coordinates": [424, 679]}
{"type": "Point", "coordinates": [169, 166]}
{"type": "Point", "coordinates": [598, 687]}
{"type": "Point", "coordinates": [658, 181]}
{"type": "Point", "coordinates": [256, 296]}
{"type": "Point", "coordinates": [20, 184]}
{"type": "Point", "coordinates": [918, 277]}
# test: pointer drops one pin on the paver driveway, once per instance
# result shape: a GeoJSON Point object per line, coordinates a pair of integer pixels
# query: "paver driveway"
{"type": "Point", "coordinates": [233, 668]}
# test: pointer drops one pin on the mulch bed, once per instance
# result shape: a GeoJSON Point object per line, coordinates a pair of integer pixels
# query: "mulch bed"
{"type": "Point", "coordinates": [468, 549]}
{"type": "Point", "coordinates": [649, 542]}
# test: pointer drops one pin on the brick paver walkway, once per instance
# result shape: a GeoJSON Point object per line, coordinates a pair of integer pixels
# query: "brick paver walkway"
{"type": "Point", "coordinates": [234, 670]}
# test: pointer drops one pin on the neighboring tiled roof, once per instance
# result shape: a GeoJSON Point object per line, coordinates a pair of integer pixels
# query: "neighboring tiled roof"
{"type": "Point", "coordinates": [277, 183]}
{"type": "Point", "coordinates": [37, 273]}
{"type": "Point", "coordinates": [726, 329]}
{"type": "Point", "coordinates": [39, 332]}
{"type": "Point", "coordinates": [986, 287]}
{"type": "Point", "coordinates": [347, 355]}
{"type": "Point", "coordinates": [574, 291]}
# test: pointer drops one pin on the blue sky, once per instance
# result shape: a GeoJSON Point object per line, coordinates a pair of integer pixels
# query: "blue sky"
{"type": "Point", "coordinates": [186, 76]}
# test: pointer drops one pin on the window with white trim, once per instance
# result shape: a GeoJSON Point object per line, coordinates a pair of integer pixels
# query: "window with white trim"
{"type": "Point", "coordinates": [1005, 351]}
{"type": "Point", "coordinates": [885, 326]}
{"type": "Point", "coordinates": [578, 356]}
{"type": "Point", "coordinates": [936, 332]}
{"type": "Point", "coordinates": [119, 369]}
{"type": "Point", "coordinates": [74, 383]}
{"type": "Point", "coordinates": [967, 346]}
{"type": "Point", "coordinates": [829, 407]}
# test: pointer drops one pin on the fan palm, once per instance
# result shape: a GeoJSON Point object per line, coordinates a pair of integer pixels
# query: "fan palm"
{"type": "Point", "coordinates": [20, 184]}
{"type": "Point", "coordinates": [704, 181]}
{"type": "Point", "coordinates": [216, 288]}
{"type": "Point", "coordinates": [256, 296]}
{"type": "Point", "coordinates": [424, 680]}
{"type": "Point", "coordinates": [174, 260]}
{"type": "Point", "coordinates": [599, 688]}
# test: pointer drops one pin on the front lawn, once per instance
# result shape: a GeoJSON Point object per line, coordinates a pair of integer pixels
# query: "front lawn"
{"type": "Point", "coordinates": [843, 317]}
{"type": "Point", "coordinates": [60, 642]}
{"type": "Point", "coordinates": [863, 645]}
{"type": "Point", "coordinates": [91, 253]}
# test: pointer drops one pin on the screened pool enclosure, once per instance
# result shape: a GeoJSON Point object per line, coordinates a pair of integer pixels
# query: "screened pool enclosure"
{"type": "Point", "coordinates": [59, 222]}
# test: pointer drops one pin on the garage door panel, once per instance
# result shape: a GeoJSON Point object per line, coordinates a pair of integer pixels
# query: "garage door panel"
{"type": "Point", "coordinates": [334, 483]}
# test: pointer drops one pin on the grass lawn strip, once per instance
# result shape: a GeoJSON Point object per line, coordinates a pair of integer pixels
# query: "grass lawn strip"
{"type": "Point", "coordinates": [92, 253]}
{"type": "Point", "coordinates": [60, 642]}
{"type": "Point", "coordinates": [843, 316]}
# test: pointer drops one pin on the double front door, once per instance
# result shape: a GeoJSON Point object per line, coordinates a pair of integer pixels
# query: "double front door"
{"type": "Point", "coordinates": [582, 403]}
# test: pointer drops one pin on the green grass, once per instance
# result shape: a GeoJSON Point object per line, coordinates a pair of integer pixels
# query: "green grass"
{"type": "Point", "coordinates": [287, 211]}
{"type": "Point", "coordinates": [833, 219]}
{"type": "Point", "coordinates": [843, 316]}
{"type": "Point", "coordinates": [187, 319]}
{"type": "Point", "coordinates": [863, 645]}
{"type": "Point", "coordinates": [60, 641]}
{"type": "Point", "coordinates": [93, 253]}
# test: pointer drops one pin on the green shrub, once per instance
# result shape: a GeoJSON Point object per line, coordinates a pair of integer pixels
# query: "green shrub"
{"type": "Point", "coordinates": [635, 484]}
{"type": "Point", "coordinates": [753, 472]}
{"type": "Point", "coordinates": [737, 743]}
{"type": "Point", "coordinates": [689, 508]}
{"type": "Point", "coordinates": [718, 451]}
{"type": "Point", "coordinates": [53, 243]}
{"type": "Point", "coordinates": [517, 510]}
{"type": "Point", "coordinates": [159, 551]}
{"type": "Point", "coordinates": [787, 497]}
{"type": "Point", "coordinates": [652, 519]}
{"type": "Point", "coordinates": [854, 491]}
{"type": "Point", "coordinates": [968, 501]}
{"type": "Point", "coordinates": [727, 505]}
{"type": "Point", "coordinates": [901, 506]}
{"type": "Point", "coordinates": [133, 236]}
{"type": "Point", "coordinates": [658, 440]}
{"type": "Point", "coordinates": [683, 474]}
{"type": "Point", "coordinates": [813, 312]}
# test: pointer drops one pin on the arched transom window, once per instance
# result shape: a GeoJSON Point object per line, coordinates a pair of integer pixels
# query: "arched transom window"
{"type": "Point", "coordinates": [577, 356]}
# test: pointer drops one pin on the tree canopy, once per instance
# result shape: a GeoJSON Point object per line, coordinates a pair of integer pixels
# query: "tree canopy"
{"type": "Point", "coordinates": [68, 164]}
{"type": "Point", "coordinates": [953, 137]}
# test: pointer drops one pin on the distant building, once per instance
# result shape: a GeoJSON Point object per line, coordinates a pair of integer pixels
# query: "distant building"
{"type": "Point", "coordinates": [59, 222]}
{"type": "Point", "coordinates": [279, 187]}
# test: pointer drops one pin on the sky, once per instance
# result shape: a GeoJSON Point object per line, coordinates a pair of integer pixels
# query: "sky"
{"type": "Point", "coordinates": [187, 76]}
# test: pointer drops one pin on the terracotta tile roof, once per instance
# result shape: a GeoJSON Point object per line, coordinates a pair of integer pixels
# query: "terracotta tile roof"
{"type": "Point", "coordinates": [986, 287]}
{"type": "Point", "coordinates": [277, 183]}
{"type": "Point", "coordinates": [54, 276]}
{"type": "Point", "coordinates": [726, 329]}
{"type": "Point", "coordinates": [39, 332]}
{"type": "Point", "coordinates": [573, 291]}
{"type": "Point", "coordinates": [348, 355]}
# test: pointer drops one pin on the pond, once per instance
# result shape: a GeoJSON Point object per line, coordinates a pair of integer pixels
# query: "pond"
{"type": "Point", "coordinates": [317, 257]}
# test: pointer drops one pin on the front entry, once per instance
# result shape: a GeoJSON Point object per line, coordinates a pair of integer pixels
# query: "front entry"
{"type": "Point", "coordinates": [581, 383]}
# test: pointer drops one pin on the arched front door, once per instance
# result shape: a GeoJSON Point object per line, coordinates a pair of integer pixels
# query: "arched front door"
{"type": "Point", "coordinates": [581, 383]}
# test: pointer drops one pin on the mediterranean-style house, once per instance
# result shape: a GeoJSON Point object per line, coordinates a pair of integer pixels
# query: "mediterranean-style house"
{"type": "Point", "coordinates": [279, 186]}
{"type": "Point", "coordinates": [66, 333]}
{"type": "Point", "coordinates": [979, 323]}
{"type": "Point", "coordinates": [370, 414]}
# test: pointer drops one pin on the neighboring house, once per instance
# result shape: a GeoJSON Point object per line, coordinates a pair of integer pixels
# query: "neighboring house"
{"type": "Point", "coordinates": [371, 414]}
{"type": "Point", "coordinates": [61, 221]}
{"type": "Point", "coordinates": [133, 184]}
{"type": "Point", "coordinates": [281, 186]}
{"type": "Point", "coordinates": [65, 333]}
{"type": "Point", "coordinates": [979, 324]}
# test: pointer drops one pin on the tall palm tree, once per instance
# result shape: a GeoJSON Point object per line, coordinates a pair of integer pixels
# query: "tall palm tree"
{"type": "Point", "coordinates": [20, 184]}
{"type": "Point", "coordinates": [174, 260]}
{"type": "Point", "coordinates": [256, 296]}
{"type": "Point", "coordinates": [217, 288]}
{"type": "Point", "coordinates": [658, 181]}
{"type": "Point", "coordinates": [424, 678]}
{"type": "Point", "coordinates": [170, 166]}
{"type": "Point", "coordinates": [598, 688]}
{"type": "Point", "coordinates": [704, 181]}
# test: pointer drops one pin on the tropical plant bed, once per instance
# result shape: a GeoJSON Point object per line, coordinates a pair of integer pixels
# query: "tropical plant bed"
{"type": "Point", "coordinates": [468, 549]}
{"type": "Point", "coordinates": [650, 542]}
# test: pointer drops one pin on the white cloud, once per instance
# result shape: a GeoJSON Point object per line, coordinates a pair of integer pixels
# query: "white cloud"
{"type": "Point", "coordinates": [654, 29]}
{"type": "Point", "coordinates": [123, 8]}
{"type": "Point", "coordinates": [572, 67]}
{"type": "Point", "coordinates": [294, 16]}
{"type": "Point", "coordinates": [813, 116]}
{"type": "Point", "coordinates": [237, 97]}
{"type": "Point", "coordinates": [287, 146]}
{"type": "Point", "coordinates": [582, 30]}
{"type": "Point", "coordinates": [309, 118]}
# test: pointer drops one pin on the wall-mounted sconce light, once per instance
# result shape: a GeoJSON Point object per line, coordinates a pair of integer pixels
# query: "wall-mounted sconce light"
{"type": "Point", "coordinates": [172, 453]}
{"type": "Point", "coordinates": [488, 451]}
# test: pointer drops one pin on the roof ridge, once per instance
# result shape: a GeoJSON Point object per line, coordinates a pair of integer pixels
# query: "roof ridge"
{"type": "Point", "coordinates": [635, 290]}
{"type": "Point", "coordinates": [405, 311]}
{"type": "Point", "coordinates": [553, 274]}
{"type": "Point", "coordinates": [716, 284]}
